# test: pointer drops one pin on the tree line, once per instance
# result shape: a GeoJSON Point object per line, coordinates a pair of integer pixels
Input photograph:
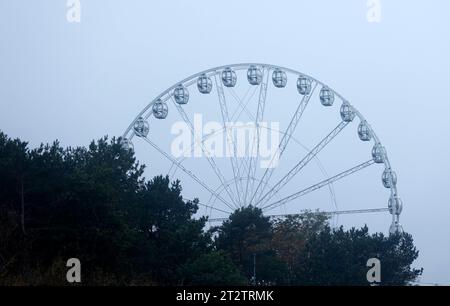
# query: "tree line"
{"type": "Point", "coordinates": [93, 203]}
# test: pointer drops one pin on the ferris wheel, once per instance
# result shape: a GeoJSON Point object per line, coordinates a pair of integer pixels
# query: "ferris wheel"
{"type": "Point", "coordinates": [260, 135]}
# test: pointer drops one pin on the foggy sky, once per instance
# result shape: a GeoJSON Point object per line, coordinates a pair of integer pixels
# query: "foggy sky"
{"type": "Point", "coordinates": [77, 82]}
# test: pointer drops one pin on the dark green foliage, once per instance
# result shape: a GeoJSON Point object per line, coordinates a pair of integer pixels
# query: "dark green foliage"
{"type": "Point", "coordinates": [94, 204]}
{"type": "Point", "coordinates": [289, 239]}
{"type": "Point", "coordinates": [247, 235]}
{"type": "Point", "coordinates": [166, 231]}
{"type": "Point", "coordinates": [303, 250]}
{"type": "Point", "coordinates": [339, 258]}
{"type": "Point", "coordinates": [91, 204]}
{"type": "Point", "coordinates": [214, 269]}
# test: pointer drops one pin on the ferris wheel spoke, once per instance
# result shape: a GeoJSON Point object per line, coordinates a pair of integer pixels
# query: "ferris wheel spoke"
{"type": "Point", "coordinates": [206, 153]}
{"type": "Point", "coordinates": [191, 151]}
{"type": "Point", "coordinates": [239, 109]}
{"type": "Point", "coordinates": [300, 165]}
{"type": "Point", "coordinates": [248, 163]}
{"type": "Point", "coordinates": [188, 172]}
{"type": "Point", "coordinates": [244, 164]}
{"type": "Point", "coordinates": [244, 98]}
{"type": "Point", "coordinates": [258, 119]}
{"type": "Point", "coordinates": [219, 189]}
{"type": "Point", "coordinates": [319, 185]}
{"type": "Point", "coordinates": [209, 206]}
{"type": "Point", "coordinates": [287, 135]}
{"type": "Point", "coordinates": [229, 138]}
{"type": "Point", "coordinates": [172, 166]}
{"type": "Point", "coordinates": [242, 106]}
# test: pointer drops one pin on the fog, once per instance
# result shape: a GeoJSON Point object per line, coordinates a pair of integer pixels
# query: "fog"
{"type": "Point", "coordinates": [80, 81]}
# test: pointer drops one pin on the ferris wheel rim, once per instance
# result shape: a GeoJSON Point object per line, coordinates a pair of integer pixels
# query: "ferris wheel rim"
{"type": "Point", "coordinates": [241, 66]}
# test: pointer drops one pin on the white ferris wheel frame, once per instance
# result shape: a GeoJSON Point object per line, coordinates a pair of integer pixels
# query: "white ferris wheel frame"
{"type": "Point", "coordinates": [168, 94]}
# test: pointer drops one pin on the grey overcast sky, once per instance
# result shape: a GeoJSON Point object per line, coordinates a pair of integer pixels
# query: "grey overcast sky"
{"type": "Point", "coordinates": [79, 81]}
